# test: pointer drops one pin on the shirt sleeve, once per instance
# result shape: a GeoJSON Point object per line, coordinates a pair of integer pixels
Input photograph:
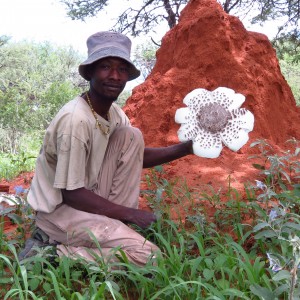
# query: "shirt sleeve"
{"type": "Point", "coordinates": [71, 163]}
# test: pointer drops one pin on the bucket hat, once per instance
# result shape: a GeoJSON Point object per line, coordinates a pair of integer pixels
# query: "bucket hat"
{"type": "Point", "coordinates": [108, 44]}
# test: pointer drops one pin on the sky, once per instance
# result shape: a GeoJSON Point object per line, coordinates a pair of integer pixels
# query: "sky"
{"type": "Point", "coordinates": [46, 20]}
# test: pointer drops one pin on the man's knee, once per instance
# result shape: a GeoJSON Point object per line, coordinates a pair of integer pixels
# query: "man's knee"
{"type": "Point", "coordinates": [127, 132]}
{"type": "Point", "coordinates": [127, 136]}
{"type": "Point", "coordinates": [141, 253]}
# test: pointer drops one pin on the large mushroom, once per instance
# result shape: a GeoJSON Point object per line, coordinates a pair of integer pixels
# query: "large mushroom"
{"type": "Point", "coordinates": [213, 117]}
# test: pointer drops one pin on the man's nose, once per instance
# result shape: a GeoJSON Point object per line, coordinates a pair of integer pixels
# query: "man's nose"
{"type": "Point", "coordinates": [114, 73]}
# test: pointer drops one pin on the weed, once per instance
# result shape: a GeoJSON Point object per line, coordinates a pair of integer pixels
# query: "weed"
{"type": "Point", "coordinates": [199, 259]}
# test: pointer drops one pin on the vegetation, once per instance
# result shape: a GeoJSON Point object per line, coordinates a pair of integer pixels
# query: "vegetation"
{"type": "Point", "coordinates": [203, 257]}
{"type": "Point", "coordinates": [289, 59]}
{"type": "Point", "coordinates": [144, 57]}
{"type": "Point", "coordinates": [35, 81]}
{"type": "Point", "coordinates": [32, 93]}
{"type": "Point", "coordinates": [291, 72]}
{"type": "Point", "coordinates": [138, 18]}
{"type": "Point", "coordinates": [144, 16]}
{"type": "Point", "coordinates": [248, 249]}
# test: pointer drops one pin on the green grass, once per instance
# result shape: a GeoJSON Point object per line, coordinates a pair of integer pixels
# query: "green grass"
{"type": "Point", "coordinates": [200, 258]}
{"type": "Point", "coordinates": [21, 159]}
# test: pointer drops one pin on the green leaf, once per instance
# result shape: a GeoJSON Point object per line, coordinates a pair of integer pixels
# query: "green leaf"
{"type": "Point", "coordinates": [260, 226]}
{"type": "Point", "coordinates": [34, 283]}
{"type": "Point", "coordinates": [6, 280]}
{"type": "Point", "coordinates": [292, 225]}
{"type": "Point", "coordinates": [265, 234]}
{"type": "Point", "coordinates": [208, 274]}
{"type": "Point", "coordinates": [16, 218]}
{"type": "Point", "coordinates": [159, 168]}
{"type": "Point", "coordinates": [262, 292]}
{"type": "Point", "coordinates": [209, 263]}
{"type": "Point", "coordinates": [47, 287]}
{"type": "Point", "coordinates": [283, 274]}
{"type": "Point", "coordinates": [255, 143]}
{"type": "Point", "coordinates": [259, 167]}
{"type": "Point", "coordinates": [235, 293]}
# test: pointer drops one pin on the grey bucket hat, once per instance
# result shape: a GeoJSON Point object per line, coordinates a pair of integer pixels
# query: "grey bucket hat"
{"type": "Point", "coordinates": [108, 44]}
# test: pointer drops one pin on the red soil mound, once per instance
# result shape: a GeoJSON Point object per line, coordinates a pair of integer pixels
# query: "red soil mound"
{"type": "Point", "coordinates": [209, 49]}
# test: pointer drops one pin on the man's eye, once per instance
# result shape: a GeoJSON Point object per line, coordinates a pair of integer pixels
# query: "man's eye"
{"type": "Point", "coordinates": [104, 67]}
{"type": "Point", "coordinates": [124, 70]}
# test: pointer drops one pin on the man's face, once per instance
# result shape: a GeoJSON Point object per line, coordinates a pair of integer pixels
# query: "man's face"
{"type": "Point", "coordinates": [109, 77]}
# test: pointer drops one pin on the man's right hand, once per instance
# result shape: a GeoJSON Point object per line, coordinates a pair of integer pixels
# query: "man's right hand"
{"type": "Point", "coordinates": [142, 218]}
{"type": "Point", "coordinates": [85, 200]}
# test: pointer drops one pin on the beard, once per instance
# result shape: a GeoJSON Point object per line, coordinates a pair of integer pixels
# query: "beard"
{"type": "Point", "coordinates": [107, 91]}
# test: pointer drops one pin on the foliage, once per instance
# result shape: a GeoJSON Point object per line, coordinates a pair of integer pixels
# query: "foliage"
{"type": "Point", "coordinates": [123, 98]}
{"type": "Point", "coordinates": [278, 169]}
{"type": "Point", "coordinates": [285, 13]}
{"type": "Point", "coordinates": [200, 259]}
{"type": "Point", "coordinates": [289, 60]}
{"type": "Point", "coordinates": [35, 80]}
{"type": "Point", "coordinates": [4, 39]}
{"type": "Point", "coordinates": [136, 19]}
{"type": "Point", "coordinates": [23, 160]}
{"type": "Point", "coordinates": [143, 17]}
{"type": "Point", "coordinates": [144, 57]}
{"type": "Point", "coordinates": [291, 72]}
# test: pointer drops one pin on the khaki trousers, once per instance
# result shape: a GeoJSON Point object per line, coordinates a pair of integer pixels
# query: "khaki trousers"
{"type": "Point", "coordinates": [119, 181]}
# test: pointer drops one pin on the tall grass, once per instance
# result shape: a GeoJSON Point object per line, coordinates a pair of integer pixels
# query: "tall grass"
{"type": "Point", "coordinates": [201, 258]}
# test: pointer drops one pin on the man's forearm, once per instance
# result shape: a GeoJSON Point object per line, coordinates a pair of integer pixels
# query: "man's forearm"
{"type": "Point", "coordinates": [85, 200]}
{"type": "Point", "coordinates": [88, 201]}
{"type": "Point", "coordinates": [157, 156]}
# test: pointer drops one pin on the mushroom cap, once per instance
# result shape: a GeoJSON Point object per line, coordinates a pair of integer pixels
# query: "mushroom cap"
{"type": "Point", "coordinates": [211, 118]}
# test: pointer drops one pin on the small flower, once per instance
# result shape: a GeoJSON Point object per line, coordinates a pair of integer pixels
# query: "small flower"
{"type": "Point", "coordinates": [273, 214]}
{"type": "Point", "coordinates": [260, 185]}
{"type": "Point", "coordinates": [211, 118]}
{"type": "Point", "coordinates": [274, 263]}
{"type": "Point", "coordinates": [19, 189]}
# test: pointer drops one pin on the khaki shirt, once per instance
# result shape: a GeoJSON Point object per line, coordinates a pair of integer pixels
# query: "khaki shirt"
{"type": "Point", "coordinates": [72, 153]}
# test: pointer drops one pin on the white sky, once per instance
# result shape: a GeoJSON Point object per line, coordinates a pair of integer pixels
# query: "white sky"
{"type": "Point", "coordinates": [46, 20]}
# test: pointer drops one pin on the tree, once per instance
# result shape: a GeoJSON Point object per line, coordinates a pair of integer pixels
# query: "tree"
{"type": "Point", "coordinates": [289, 60]}
{"type": "Point", "coordinates": [291, 72]}
{"type": "Point", "coordinates": [35, 81]}
{"type": "Point", "coordinates": [133, 20]}
{"type": "Point", "coordinates": [144, 57]}
{"type": "Point", "coordinates": [150, 13]}
{"type": "Point", "coordinates": [286, 13]}
{"type": "Point", "coordinates": [123, 97]}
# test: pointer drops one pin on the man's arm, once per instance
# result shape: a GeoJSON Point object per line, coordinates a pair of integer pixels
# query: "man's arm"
{"type": "Point", "coordinates": [158, 156]}
{"type": "Point", "coordinates": [85, 200]}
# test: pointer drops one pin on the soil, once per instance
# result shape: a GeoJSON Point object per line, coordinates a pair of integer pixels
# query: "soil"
{"type": "Point", "coordinates": [7, 187]}
{"type": "Point", "coordinates": [209, 49]}
{"type": "Point", "coordinates": [23, 179]}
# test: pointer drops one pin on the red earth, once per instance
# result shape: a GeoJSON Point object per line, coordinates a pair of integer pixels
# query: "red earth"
{"type": "Point", "coordinates": [210, 49]}
{"type": "Point", "coordinates": [24, 180]}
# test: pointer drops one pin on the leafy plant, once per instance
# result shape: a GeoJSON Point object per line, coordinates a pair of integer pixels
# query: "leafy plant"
{"type": "Point", "coordinates": [277, 168]}
{"type": "Point", "coordinates": [200, 258]}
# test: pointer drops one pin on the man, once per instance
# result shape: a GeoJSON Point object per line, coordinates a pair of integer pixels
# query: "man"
{"type": "Point", "coordinates": [88, 172]}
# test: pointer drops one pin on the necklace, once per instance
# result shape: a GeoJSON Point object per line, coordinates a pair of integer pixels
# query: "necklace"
{"type": "Point", "coordinates": [104, 130]}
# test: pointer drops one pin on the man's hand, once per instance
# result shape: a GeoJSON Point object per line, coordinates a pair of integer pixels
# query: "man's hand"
{"type": "Point", "coordinates": [85, 200]}
{"type": "Point", "coordinates": [157, 156]}
{"type": "Point", "coordinates": [141, 218]}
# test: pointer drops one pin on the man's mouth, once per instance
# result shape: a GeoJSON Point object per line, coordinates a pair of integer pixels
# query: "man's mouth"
{"type": "Point", "coordinates": [113, 87]}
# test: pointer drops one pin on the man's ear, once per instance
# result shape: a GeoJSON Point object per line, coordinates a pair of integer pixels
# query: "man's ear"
{"type": "Point", "coordinates": [89, 71]}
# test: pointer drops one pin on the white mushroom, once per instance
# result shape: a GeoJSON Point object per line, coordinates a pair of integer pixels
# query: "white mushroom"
{"type": "Point", "coordinates": [211, 118]}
